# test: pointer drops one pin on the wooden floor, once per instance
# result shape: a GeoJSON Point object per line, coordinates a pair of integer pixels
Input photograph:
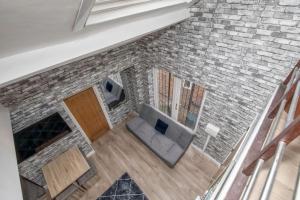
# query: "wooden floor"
{"type": "Point", "coordinates": [285, 181]}
{"type": "Point", "coordinates": [119, 151]}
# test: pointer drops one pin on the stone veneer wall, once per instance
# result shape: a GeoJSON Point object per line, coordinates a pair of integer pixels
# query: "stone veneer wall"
{"type": "Point", "coordinates": [238, 50]}
{"type": "Point", "coordinates": [41, 95]}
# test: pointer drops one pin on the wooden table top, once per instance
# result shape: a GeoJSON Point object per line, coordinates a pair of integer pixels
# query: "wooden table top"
{"type": "Point", "coordinates": [64, 170]}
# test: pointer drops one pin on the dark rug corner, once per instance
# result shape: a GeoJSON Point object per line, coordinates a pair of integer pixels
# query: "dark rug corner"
{"type": "Point", "coordinates": [123, 189]}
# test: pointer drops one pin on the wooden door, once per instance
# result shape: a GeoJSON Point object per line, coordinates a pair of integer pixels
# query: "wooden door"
{"type": "Point", "coordinates": [86, 109]}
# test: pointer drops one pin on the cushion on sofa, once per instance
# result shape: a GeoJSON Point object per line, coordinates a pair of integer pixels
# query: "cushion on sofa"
{"type": "Point", "coordinates": [161, 144]}
{"type": "Point", "coordinates": [135, 123]}
{"type": "Point", "coordinates": [146, 133]}
{"type": "Point", "coordinates": [147, 114]}
{"type": "Point", "coordinates": [184, 140]}
{"type": "Point", "coordinates": [173, 132]}
{"type": "Point", "coordinates": [173, 154]}
{"type": "Point", "coordinates": [142, 129]}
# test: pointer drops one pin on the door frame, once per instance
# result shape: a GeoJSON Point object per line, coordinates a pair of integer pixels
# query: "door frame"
{"type": "Point", "coordinates": [74, 120]}
{"type": "Point", "coordinates": [155, 87]}
{"type": "Point", "coordinates": [176, 97]}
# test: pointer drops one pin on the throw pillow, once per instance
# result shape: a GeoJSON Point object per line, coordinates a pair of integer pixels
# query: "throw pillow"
{"type": "Point", "coordinates": [109, 86]}
{"type": "Point", "coordinates": [161, 126]}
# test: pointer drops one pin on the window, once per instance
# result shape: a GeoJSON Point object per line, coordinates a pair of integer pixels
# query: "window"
{"type": "Point", "coordinates": [180, 99]}
{"type": "Point", "coordinates": [190, 105]}
{"type": "Point", "coordinates": [165, 91]}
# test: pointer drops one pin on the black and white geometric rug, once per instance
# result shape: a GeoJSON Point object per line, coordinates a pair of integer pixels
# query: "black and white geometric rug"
{"type": "Point", "coordinates": [123, 189]}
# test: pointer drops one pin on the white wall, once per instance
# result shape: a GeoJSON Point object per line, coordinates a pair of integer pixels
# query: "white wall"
{"type": "Point", "coordinates": [110, 35]}
{"type": "Point", "coordinates": [10, 187]}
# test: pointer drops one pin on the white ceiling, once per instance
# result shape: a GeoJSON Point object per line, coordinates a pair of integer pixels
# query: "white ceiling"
{"type": "Point", "coordinates": [37, 35]}
{"type": "Point", "coordinates": [31, 24]}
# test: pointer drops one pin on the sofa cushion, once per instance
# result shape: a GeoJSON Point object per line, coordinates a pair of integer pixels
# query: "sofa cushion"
{"type": "Point", "coordinates": [148, 114]}
{"type": "Point", "coordinates": [173, 132]}
{"type": "Point", "coordinates": [184, 140]}
{"type": "Point", "coordinates": [161, 126]}
{"type": "Point", "coordinates": [109, 86]}
{"type": "Point", "coordinates": [146, 133]}
{"type": "Point", "coordinates": [135, 123]}
{"type": "Point", "coordinates": [161, 144]}
{"type": "Point", "coordinates": [142, 130]}
{"type": "Point", "coordinates": [110, 98]}
{"type": "Point", "coordinates": [173, 154]}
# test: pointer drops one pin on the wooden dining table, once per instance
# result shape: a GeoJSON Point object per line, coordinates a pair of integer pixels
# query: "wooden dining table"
{"type": "Point", "coordinates": [64, 170]}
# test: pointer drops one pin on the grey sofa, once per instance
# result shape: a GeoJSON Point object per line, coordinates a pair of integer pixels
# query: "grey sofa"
{"type": "Point", "coordinates": [170, 146]}
{"type": "Point", "coordinates": [115, 96]}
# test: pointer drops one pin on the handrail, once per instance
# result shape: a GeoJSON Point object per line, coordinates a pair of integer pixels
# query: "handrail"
{"type": "Point", "coordinates": [224, 180]}
{"type": "Point", "coordinates": [287, 135]}
{"type": "Point", "coordinates": [290, 75]}
{"type": "Point", "coordinates": [287, 96]}
{"type": "Point", "coordinates": [234, 180]}
{"type": "Point", "coordinates": [250, 183]}
{"type": "Point", "coordinates": [224, 188]}
{"type": "Point", "coordinates": [281, 146]}
{"type": "Point", "coordinates": [238, 179]}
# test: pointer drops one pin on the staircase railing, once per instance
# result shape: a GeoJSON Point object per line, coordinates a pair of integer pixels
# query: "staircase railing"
{"type": "Point", "coordinates": [276, 147]}
{"type": "Point", "coordinates": [277, 111]}
{"type": "Point", "coordinates": [259, 144]}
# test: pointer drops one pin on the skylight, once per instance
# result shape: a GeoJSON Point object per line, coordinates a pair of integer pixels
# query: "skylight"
{"type": "Point", "coordinates": [93, 12]}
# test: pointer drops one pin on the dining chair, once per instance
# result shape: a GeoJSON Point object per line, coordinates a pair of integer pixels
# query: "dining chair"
{"type": "Point", "coordinates": [67, 192]}
{"type": "Point", "coordinates": [30, 189]}
{"type": "Point", "coordinates": [89, 174]}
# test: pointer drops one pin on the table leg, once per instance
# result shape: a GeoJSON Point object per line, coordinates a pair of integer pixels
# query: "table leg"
{"type": "Point", "coordinates": [79, 187]}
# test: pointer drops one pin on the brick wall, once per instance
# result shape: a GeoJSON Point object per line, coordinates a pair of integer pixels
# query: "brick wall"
{"type": "Point", "coordinates": [238, 50]}
{"type": "Point", "coordinates": [35, 98]}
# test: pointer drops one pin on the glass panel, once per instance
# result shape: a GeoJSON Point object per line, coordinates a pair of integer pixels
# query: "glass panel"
{"type": "Point", "coordinates": [165, 91]}
{"type": "Point", "coordinates": [113, 90]}
{"type": "Point", "coordinates": [190, 104]}
{"type": "Point", "coordinates": [117, 78]}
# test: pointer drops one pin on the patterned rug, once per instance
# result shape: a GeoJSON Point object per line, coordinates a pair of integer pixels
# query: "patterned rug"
{"type": "Point", "coordinates": [123, 189]}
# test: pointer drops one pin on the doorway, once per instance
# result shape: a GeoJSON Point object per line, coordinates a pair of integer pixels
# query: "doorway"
{"type": "Point", "coordinates": [87, 111]}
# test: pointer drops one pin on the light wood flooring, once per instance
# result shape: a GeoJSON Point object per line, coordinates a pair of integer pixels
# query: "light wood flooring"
{"type": "Point", "coordinates": [119, 151]}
